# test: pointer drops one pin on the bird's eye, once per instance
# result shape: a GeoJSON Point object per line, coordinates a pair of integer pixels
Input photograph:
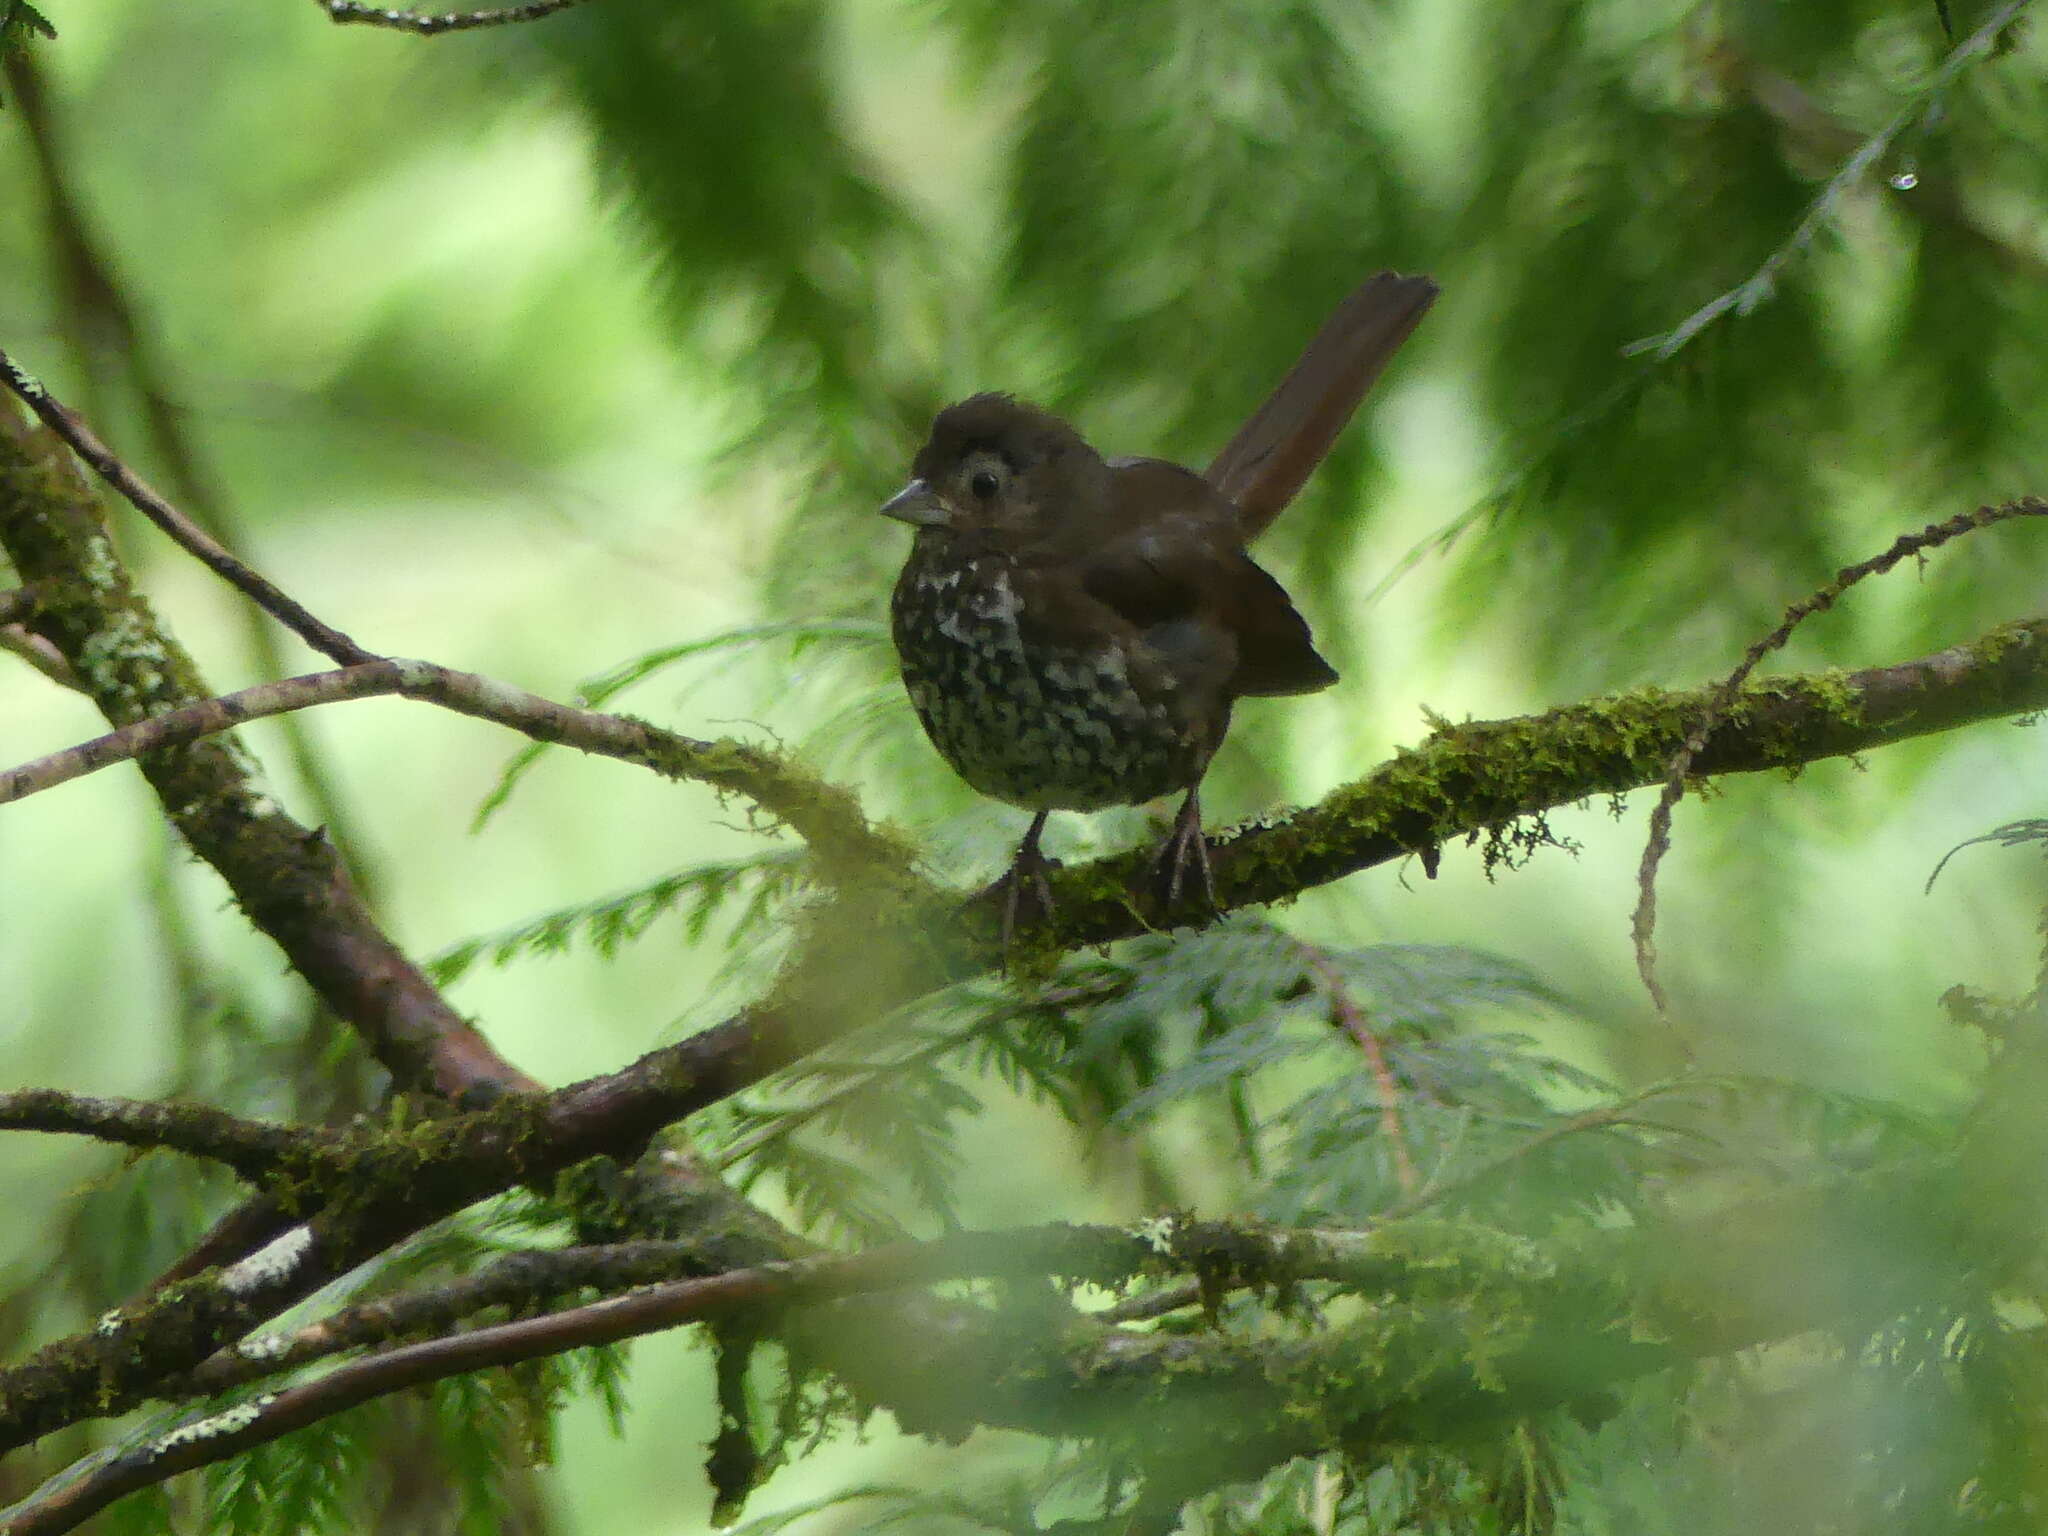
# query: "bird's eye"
{"type": "Point", "coordinates": [983, 483]}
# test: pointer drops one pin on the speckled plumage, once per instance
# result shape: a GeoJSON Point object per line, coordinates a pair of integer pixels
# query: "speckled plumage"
{"type": "Point", "coordinates": [1022, 715]}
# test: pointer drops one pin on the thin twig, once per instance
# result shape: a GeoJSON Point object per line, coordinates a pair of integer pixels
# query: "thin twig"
{"type": "Point", "coordinates": [1643, 926]}
{"type": "Point", "coordinates": [188, 535]}
{"type": "Point", "coordinates": [522, 1280]}
{"type": "Point", "coordinates": [350, 13]}
{"type": "Point", "coordinates": [1759, 285]}
{"type": "Point", "coordinates": [1354, 1022]}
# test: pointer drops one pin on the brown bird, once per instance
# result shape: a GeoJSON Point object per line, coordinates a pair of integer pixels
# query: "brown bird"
{"type": "Point", "coordinates": [1074, 630]}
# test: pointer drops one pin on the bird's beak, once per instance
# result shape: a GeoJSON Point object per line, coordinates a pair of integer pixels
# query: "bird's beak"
{"type": "Point", "coordinates": [919, 504]}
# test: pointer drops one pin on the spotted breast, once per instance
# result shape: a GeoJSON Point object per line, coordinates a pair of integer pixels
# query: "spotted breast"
{"type": "Point", "coordinates": [1022, 713]}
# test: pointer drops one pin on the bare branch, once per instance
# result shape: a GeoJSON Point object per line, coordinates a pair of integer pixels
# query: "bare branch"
{"type": "Point", "coordinates": [188, 535]}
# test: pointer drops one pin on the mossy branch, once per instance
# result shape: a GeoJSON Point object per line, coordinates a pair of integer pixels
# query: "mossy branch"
{"type": "Point", "coordinates": [887, 938]}
{"type": "Point", "coordinates": [253, 1148]}
{"type": "Point", "coordinates": [1077, 1376]}
{"type": "Point", "coordinates": [1476, 780]}
{"type": "Point", "coordinates": [1468, 779]}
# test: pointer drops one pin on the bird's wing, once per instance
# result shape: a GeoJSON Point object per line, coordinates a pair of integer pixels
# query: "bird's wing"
{"type": "Point", "coordinates": [1181, 577]}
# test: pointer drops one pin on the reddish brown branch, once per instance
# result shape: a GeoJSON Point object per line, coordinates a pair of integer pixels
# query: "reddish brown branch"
{"type": "Point", "coordinates": [1352, 1018]}
{"type": "Point", "coordinates": [91, 1486]}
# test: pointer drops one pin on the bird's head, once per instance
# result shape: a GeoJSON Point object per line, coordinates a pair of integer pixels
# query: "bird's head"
{"type": "Point", "coordinates": [999, 465]}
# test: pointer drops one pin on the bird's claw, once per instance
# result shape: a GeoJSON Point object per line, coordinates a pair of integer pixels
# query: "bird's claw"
{"type": "Point", "coordinates": [1184, 846]}
{"type": "Point", "coordinates": [1027, 872]}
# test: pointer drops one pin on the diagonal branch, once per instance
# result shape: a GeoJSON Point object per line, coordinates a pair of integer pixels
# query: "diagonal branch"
{"type": "Point", "coordinates": [188, 535]}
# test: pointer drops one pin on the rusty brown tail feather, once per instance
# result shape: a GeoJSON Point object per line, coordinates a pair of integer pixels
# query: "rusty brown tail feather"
{"type": "Point", "coordinates": [1276, 451]}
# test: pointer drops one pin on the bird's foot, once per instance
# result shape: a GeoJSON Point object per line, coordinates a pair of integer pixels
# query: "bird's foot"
{"type": "Point", "coordinates": [1185, 848]}
{"type": "Point", "coordinates": [1026, 893]}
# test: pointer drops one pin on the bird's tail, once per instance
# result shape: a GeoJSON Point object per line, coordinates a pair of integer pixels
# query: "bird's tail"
{"type": "Point", "coordinates": [1276, 451]}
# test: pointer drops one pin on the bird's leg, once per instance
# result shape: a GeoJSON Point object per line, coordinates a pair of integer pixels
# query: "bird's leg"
{"type": "Point", "coordinates": [1029, 867]}
{"type": "Point", "coordinates": [1185, 845]}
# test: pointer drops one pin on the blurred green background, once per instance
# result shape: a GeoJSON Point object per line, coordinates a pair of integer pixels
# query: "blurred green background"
{"type": "Point", "coordinates": [534, 350]}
